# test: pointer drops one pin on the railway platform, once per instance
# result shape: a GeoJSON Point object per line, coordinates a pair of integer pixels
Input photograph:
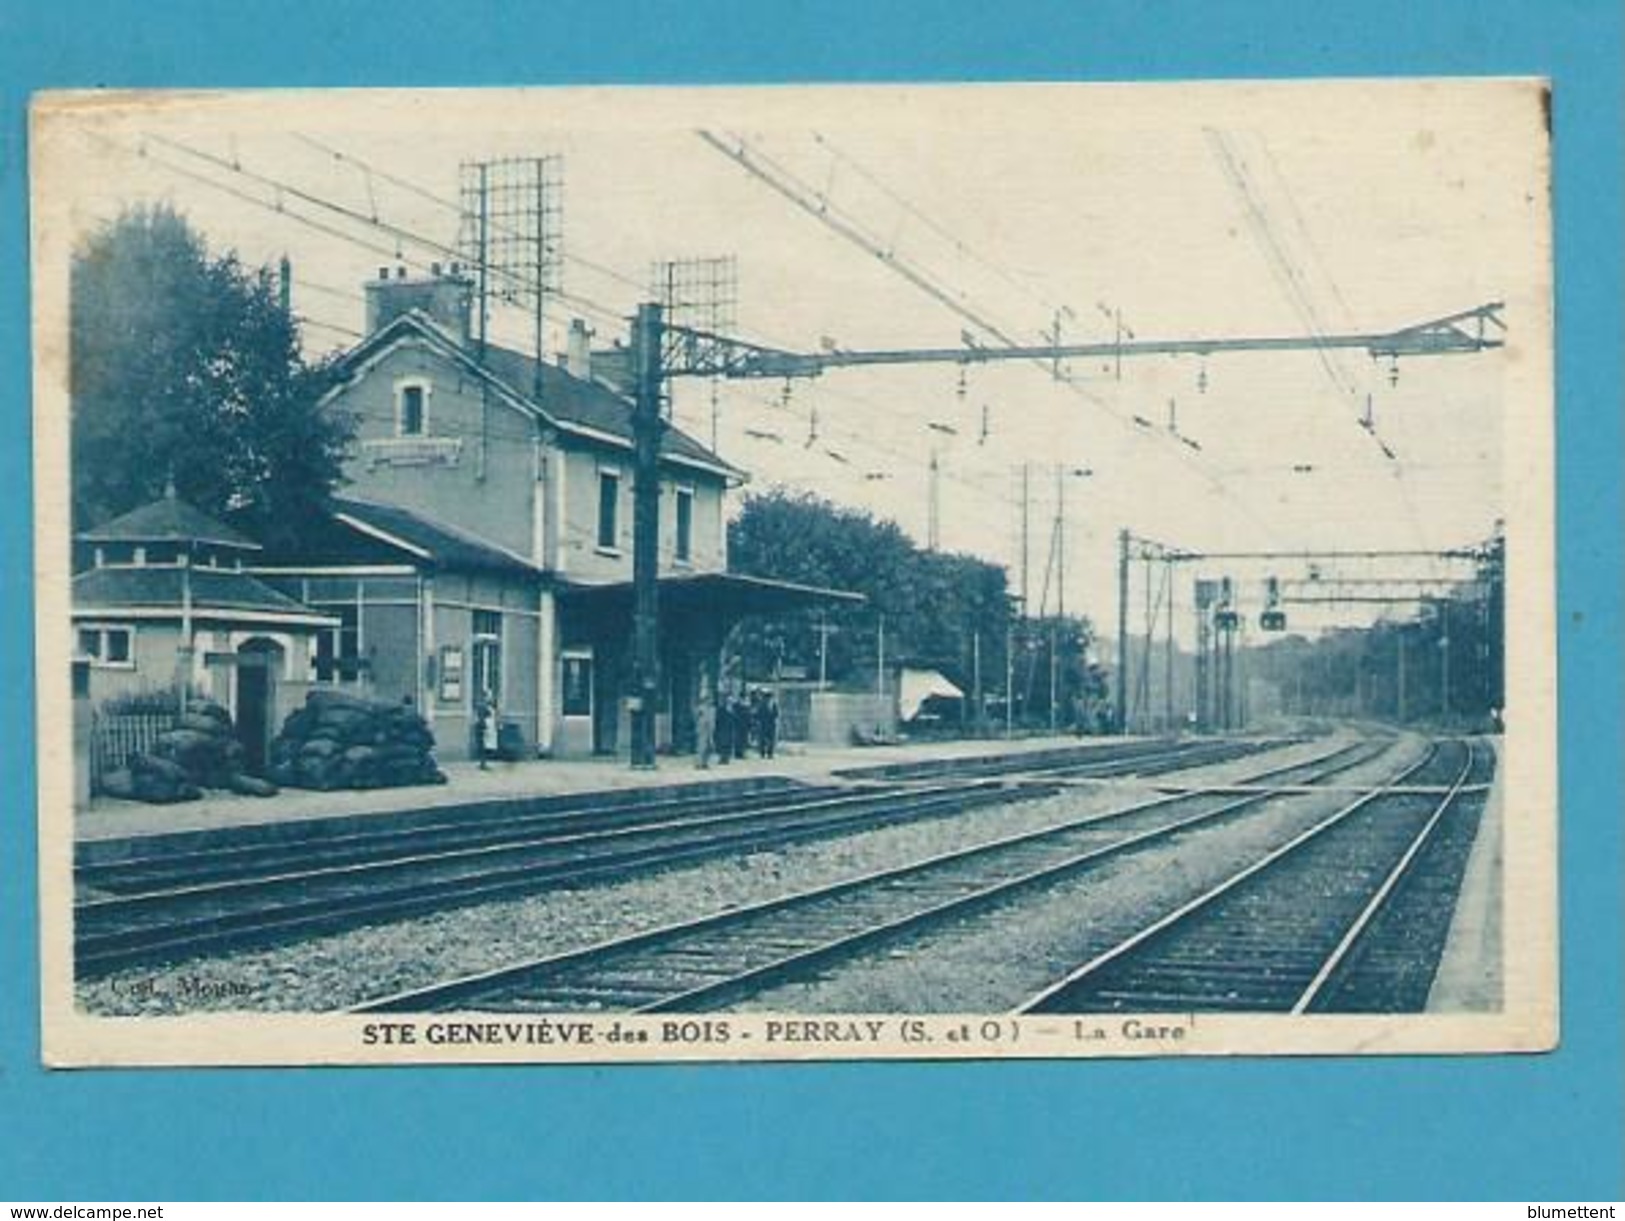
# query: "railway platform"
{"type": "Point", "coordinates": [1469, 978]}
{"type": "Point", "coordinates": [106, 821]}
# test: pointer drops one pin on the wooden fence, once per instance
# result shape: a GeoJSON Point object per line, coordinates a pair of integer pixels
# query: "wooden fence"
{"type": "Point", "coordinates": [114, 737]}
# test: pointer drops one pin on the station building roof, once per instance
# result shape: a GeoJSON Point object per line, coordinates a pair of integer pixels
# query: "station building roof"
{"type": "Point", "coordinates": [544, 391]}
{"type": "Point", "coordinates": [159, 591]}
{"type": "Point", "coordinates": [363, 532]}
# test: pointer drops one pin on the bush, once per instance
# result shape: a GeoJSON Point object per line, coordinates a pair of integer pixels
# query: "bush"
{"type": "Point", "coordinates": [160, 701]}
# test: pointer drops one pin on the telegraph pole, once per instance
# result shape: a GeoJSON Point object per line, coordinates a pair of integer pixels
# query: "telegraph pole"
{"type": "Point", "coordinates": [1060, 600]}
{"type": "Point", "coordinates": [1025, 468]}
{"type": "Point", "coordinates": [1201, 676]}
{"type": "Point", "coordinates": [976, 675]}
{"type": "Point", "coordinates": [1142, 701]}
{"type": "Point", "coordinates": [933, 525]}
{"type": "Point", "coordinates": [1168, 653]}
{"type": "Point", "coordinates": [1444, 659]}
{"type": "Point", "coordinates": [1009, 676]}
{"type": "Point", "coordinates": [824, 630]}
{"type": "Point", "coordinates": [1401, 692]}
{"type": "Point", "coordinates": [880, 654]}
{"type": "Point", "coordinates": [647, 429]}
{"type": "Point", "coordinates": [1121, 717]}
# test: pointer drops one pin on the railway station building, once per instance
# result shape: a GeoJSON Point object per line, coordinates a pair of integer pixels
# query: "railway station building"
{"type": "Point", "coordinates": [482, 546]}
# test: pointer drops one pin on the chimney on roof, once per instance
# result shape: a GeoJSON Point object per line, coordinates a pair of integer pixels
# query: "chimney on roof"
{"type": "Point", "coordinates": [578, 351]}
{"type": "Point", "coordinates": [447, 299]}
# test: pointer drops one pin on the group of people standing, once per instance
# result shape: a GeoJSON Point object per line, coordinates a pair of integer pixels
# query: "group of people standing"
{"type": "Point", "coordinates": [729, 728]}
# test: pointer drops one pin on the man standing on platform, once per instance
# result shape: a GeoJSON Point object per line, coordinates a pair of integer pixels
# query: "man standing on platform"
{"type": "Point", "coordinates": [705, 730]}
{"type": "Point", "coordinates": [767, 725]}
{"type": "Point", "coordinates": [724, 729]}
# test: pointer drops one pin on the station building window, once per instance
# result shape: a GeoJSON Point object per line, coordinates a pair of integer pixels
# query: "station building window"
{"type": "Point", "coordinates": [609, 504]}
{"type": "Point", "coordinates": [338, 649]}
{"type": "Point", "coordinates": [107, 646]}
{"type": "Point", "coordinates": [412, 409]}
{"type": "Point", "coordinates": [685, 525]}
{"type": "Point", "coordinates": [576, 681]}
{"type": "Point", "coordinates": [486, 655]}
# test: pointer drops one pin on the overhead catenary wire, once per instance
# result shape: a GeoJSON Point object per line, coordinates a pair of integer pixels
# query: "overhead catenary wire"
{"type": "Point", "coordinates": [1296, 289]}
{"type": "Point", "coordinates": [399, 232]}
{"type": "Point", "coordinates": [287, 208]}
{"type": "Point", "coordinates": [493, 431]}
{"type": "Point", "coordinates": [453, 206]}
{"type": "Point", "coordinates": [960, 246]}
{"type": "Point", "coordinates": [795, 189]}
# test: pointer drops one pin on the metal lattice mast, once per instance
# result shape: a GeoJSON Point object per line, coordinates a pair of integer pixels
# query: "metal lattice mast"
{"type": "Point", "coordinates": [512, 234]}
{"type": "Point", "coordinates": [701, 294]}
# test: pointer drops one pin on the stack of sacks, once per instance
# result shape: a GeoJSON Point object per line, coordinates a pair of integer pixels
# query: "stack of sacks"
{"type": "Point", "coordinates": [341, 741]}
{"type": "Point", "coordinates": [200, 752]}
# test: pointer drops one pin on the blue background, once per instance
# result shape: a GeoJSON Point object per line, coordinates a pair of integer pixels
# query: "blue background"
{"type": "Point", "coordinates": [1532, 1127]}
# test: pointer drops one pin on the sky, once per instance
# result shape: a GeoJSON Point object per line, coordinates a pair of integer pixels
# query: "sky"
{"type": "Point", "coordinates": [1175, 211]}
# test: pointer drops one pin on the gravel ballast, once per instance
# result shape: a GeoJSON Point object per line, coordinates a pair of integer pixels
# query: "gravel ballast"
{"type": "Point", "coordinates": [339, 971]}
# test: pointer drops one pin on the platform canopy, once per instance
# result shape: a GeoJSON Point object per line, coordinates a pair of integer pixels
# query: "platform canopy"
{"type": "Point", "coordinates": [721, 595]}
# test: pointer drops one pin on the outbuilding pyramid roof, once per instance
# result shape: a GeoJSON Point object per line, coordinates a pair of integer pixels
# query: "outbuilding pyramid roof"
{"type": "Point", "coordinates": [169, 520]}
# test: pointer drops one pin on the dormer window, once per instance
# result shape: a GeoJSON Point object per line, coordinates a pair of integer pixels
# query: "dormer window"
{"type": "Point", "coordinates": [412, 409]}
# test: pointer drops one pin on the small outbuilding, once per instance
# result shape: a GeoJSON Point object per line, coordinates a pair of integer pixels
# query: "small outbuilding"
{"type": "Point", "coordinates": [161, 601]}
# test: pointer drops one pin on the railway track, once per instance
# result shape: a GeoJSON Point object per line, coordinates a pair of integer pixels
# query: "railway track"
{"type": "Point", "coordinates": [165, 909]}
{"type": "Point", "coordinates": [502, 825]}
{"type": "Point", "coordinates": [709, 962]}
{"type": "Point", "coordinates": [1326, 922]}
{"type": "Point", "coordinates": [1061, 761]}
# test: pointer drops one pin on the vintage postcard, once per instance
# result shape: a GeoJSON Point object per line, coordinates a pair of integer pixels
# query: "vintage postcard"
{"type": "Point", "coordinates": [794, 573]}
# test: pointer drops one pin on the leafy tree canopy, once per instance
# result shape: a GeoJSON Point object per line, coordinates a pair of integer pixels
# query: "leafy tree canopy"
{"type": "Point", "coordinates": [940, 609]}
{"type": "Point", "coordinates": [185, 365]}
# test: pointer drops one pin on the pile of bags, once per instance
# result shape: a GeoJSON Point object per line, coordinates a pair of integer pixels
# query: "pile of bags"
{"type": "Point", "coordinates": [342, 741]}
{"type": "Point", "coordinates": [200, 752]}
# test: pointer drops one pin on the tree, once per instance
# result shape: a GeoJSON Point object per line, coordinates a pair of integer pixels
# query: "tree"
{"type": "Point", "coordinates": [942, 610]}
{"type": "Point", "coordinates": [1441, 664]}
{"type": "Point", "coordinates": [186, 366]}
